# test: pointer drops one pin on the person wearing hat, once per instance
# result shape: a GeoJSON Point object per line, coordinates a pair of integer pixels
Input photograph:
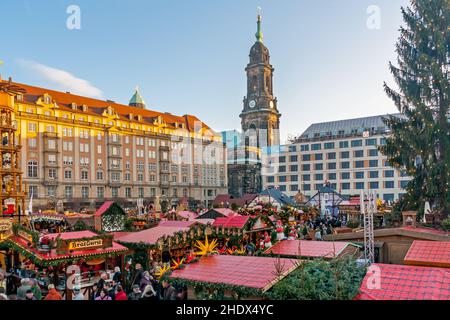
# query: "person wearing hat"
{"type": "Point", "coordinates": [136, 294]}
{"type": "Point", "coordinates": [77, 295]}
{"type": "Point", "coordinates": [29, 295]}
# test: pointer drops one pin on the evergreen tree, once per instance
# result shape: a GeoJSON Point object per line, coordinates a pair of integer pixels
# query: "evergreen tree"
{"type": "Point", "coordinates": [420, 138]}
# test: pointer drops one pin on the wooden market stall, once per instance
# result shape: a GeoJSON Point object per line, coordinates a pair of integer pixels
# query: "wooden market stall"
{"type": "Point", "coordinates": [217, 213]}
{"type": "Point", "coordinates": [392, 244]}
{"type": "Point", "coordinates": [160, 243]}
{"type": "Point", "coordinates": [230, 276]}
{"type": "Point", "coordinates": [49, 256]}
{"type": "Point", "coordinates": [110, 217]}
{"type": "Point", "coordinates": [246, 228]}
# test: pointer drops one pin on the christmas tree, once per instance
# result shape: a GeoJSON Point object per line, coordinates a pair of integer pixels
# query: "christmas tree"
{"type": "Point", "coordinates": [419, 142]}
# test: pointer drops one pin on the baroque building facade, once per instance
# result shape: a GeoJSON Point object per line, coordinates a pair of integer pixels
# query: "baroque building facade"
{"type": "Point", "coordinates": [83, 151]}
{"type": "Point", "coordinates": [260, 123]}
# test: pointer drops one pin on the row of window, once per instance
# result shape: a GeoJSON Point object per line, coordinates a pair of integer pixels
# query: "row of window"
{"type": "Point", "coordinates": [341, 144]}
{"type": "Point", "coordinates": [333, 176]}
{"type": "Point", "coordinates": [329, 166]}
{"type": "Point", "coordinates": [345, 186]}
{"type": "Point", "coordinates": [329, 155]}
{"type": "Point", "coordinates": [100, 192]}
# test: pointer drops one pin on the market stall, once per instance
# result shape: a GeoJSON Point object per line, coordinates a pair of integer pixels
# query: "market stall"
{"type": "Point", "coordinates": [110, 217]}
{"type": "Point", "coordinates": [52, 256]}
{"type": "Point", "coordinates": [236, 277]}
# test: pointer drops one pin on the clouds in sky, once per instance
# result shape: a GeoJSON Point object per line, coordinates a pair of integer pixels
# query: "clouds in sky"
{"type": "Point", "coordinates": [63, 80]}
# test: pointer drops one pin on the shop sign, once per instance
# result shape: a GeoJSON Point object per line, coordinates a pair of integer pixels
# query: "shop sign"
{"type": "Point", "coordinates": [25, 235]}
{"type": "Point", "coordinates": [5, 225]}
{"type": "Point", "coordinates": [85, 244]}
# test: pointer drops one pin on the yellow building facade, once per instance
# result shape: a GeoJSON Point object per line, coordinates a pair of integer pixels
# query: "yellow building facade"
{"type": "Point", "coordinates": [80, 152]}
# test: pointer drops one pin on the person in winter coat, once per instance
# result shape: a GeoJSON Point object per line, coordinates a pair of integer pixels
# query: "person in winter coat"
{"type": "Point", "coordinates": [138, 274]}
{"type": "Point", "coordinates": [36, 289]}
{"type": "Point", "coordinates": [120, 294]}
{"type": "Point", "coordinates": [95, 292]}
{"type": "Point", "coordinates": [29, 295]}
{"type": "Point", "coordinates": [77, 295]}
{"type": "Point", "coordinates": [168, 292]}
{"type": "Point", "coordinates": [110, 290]}
{"type": "Point", "coordinates": [52, 293]}
{"type": "Point", "coordinates": [117, 277]}
{"type": "Point", "coordinates": [103, 295]}
{"type": "Point", "coordinates": [3, 295]}
{"type": "Point", "coordinates": [149, 293]}
{"type": "Point", "coordinates": [101, 282]}
{"type": "Point", "coordinates": [136, 294]}
{"type": "Point", "coordinates": [145, 281]}
{"type": "Point", "coordinates": [24, 287]}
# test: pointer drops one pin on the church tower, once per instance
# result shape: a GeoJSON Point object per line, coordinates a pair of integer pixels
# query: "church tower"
{"type": "Point", "coordinates": [260, 118]}
{"type": "Point", "coordinates": [260, 121]}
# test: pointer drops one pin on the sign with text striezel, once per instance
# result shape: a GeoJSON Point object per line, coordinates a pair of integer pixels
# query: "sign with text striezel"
{"type": "Point", "coordinates": [85, 244]}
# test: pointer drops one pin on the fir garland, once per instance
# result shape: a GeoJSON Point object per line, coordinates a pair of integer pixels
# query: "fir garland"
{"type": "Point", "coordinates": [241, 291]}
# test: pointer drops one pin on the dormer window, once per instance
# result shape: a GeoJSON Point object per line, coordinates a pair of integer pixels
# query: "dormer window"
{"type": "Point", "coordinates": [19, 97]}
{"type": "Point", "coordinates": [139, 117]}
{"type": "Point", "coordinates": [47, 99]}
{"type": "Point", "coordinates": [85, 108]}
{"type": "Point", "coordinates": [130, 116]}
{"type": "Point", "coordinates": [74, 106]}
{"type": "Point", "coordinates": [110, 111]}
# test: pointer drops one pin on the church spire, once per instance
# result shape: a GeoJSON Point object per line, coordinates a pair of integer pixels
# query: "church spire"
{"type": "Point", "coordinates": [259, 34]}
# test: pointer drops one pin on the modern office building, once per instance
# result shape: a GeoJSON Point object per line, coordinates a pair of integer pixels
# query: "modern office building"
{"type": "Point", "coordinates": [343, 153]}
{"type": "Point", "coordinates": [83, 151]}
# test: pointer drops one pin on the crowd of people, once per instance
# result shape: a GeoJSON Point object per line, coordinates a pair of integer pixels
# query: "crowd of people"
{"type": "Point", "coordinates": [144, 286]}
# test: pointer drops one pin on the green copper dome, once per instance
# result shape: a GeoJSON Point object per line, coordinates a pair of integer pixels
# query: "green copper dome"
{"type": "Point", "coordinates": [136, 100]}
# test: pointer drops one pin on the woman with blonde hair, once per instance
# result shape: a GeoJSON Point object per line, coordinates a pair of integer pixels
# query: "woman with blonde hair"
{"type": "Point", "coordinates": [149, 293]}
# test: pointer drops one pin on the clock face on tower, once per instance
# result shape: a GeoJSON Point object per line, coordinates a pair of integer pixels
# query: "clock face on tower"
{"type": "Point", "coordinates": [252, 104]}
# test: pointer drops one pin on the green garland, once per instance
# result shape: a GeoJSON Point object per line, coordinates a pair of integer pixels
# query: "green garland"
{"type": "Point", "coordinates": [45, 263]}
{"type": "Point", "coordinates": [241, 291]}
{"type": "Point", "coordinates": [34, 234]}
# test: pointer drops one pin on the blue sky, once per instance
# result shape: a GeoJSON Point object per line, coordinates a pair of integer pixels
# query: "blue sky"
{"type": "Point", "coordinates": [189, 56]}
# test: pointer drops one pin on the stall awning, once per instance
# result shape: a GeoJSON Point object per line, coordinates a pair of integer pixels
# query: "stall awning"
{"type": "Point", "coordinates": [429, 253]}
{"type": "Point", "coordinates": [246, 271]}
{"type": "Point", "coordinates": [310, 249]}
{"type": "Point", "coordinates": [398, 282]}
{"type": "Point", "coordinates": [54, 256]}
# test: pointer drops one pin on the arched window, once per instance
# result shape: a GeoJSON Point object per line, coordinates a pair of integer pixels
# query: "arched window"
{"type": "Point", "coordinates": [32, 169]}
